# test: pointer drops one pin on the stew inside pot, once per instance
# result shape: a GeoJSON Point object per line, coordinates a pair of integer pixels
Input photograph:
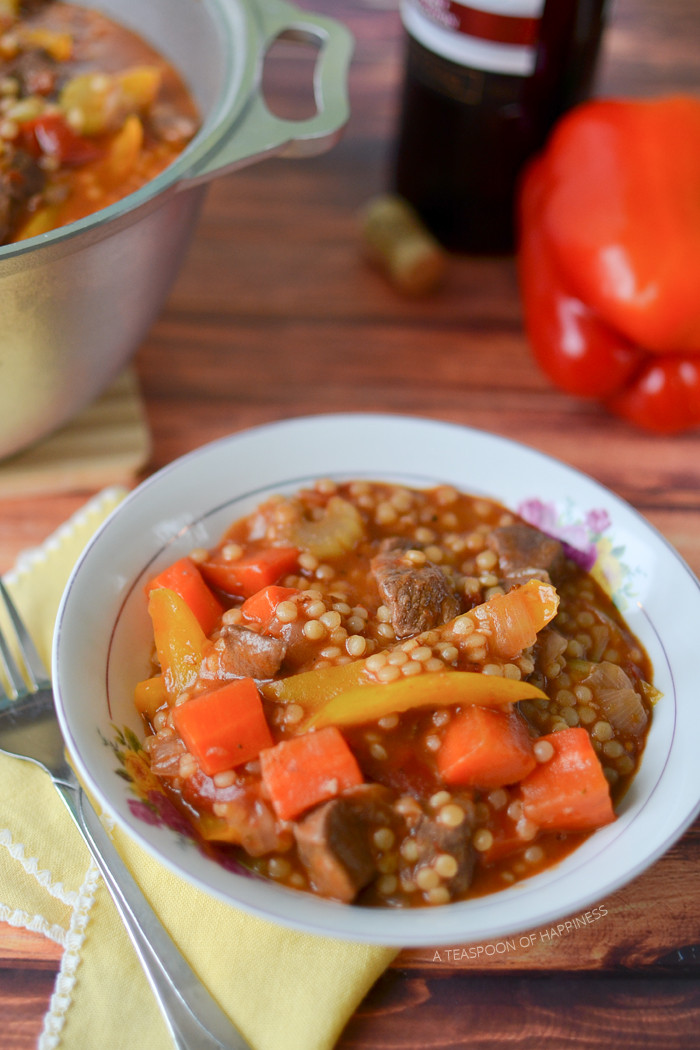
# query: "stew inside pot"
{"type": "Point", "coordinates": [88, 113]}
{"type": "Point", "coordinates": [391, 696]}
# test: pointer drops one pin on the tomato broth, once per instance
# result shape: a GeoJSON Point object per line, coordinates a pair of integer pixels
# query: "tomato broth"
{"type": "Point", "coordinates": [391, 696]}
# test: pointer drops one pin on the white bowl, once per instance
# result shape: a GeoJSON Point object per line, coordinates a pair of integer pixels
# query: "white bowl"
{"type": "Point", "coordinates": [102, 648]}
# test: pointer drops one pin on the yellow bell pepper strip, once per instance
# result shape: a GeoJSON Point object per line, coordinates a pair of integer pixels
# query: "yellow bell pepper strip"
{"type": "Point", "coordinates": [608, 254]}
{"type": "Point", "coordinates": [368, 703]}
{"type": "Point", "coordinates": [179, 640]}
{"type": "Point", "coordinates": [510, 623]}
{"type": "Point", "coordinates": [312, 689]}
{"type": "Point", "coordinates": [150, 696]}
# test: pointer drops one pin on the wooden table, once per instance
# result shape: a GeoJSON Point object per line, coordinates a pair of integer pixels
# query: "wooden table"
{"type": "Point", "coordinates": [276, 314]}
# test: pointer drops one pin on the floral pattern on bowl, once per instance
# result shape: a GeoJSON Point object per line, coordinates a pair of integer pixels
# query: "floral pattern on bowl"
{"type": "Point", "coordinates": [151, 804]}
{"type": "Point", "coordinates": [585, 543]}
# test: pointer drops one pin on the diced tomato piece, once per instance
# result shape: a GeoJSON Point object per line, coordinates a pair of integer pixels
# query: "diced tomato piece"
{"type": "Point", "coordinates": [51, 135]}
{"type": "Point", "coordinates": [185, 579]}
{"type": "Point", "coordinates": [485, 747]}
{"type": "Point", "coordinates": [246, 575]}
{"type": "Point", "coordinates": [505, 838]}
{"type": "Point", "coordinates": [302, 772]}
{"type": "Point", "coordinates": [569, 792]}
{"type": "Point", "coordinates": [402, 769]}
{"type": "Point", "coordinates": [225, 727]}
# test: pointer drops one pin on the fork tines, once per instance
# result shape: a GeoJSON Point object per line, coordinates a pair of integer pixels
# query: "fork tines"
{"type": "Point", "coordinates": [20, 660]}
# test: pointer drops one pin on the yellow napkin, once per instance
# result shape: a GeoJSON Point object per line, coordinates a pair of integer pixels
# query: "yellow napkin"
{"type": "Point", "coordinates": [283, 989]}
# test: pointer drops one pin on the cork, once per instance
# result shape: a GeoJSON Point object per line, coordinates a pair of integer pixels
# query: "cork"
{"type": "Point", "coordinates": [396, 241]}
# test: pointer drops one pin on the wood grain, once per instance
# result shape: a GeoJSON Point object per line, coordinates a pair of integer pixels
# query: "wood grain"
{"type": "Point", "coordinates": [277, 313]}
{"type": "Point", "coordinates": [413, 1012]}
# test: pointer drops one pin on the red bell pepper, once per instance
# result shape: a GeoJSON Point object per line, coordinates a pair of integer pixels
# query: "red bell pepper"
{"type": "Point", "coordinates": [51, 135]}
{"type": "Point", "coordinates": [608, 257]}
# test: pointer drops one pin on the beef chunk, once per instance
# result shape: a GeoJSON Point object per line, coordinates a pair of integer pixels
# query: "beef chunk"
{"type": "Point", "coordinates": [334, 841]}
{"type": "Point", "coordinates": [36, 72]}
{"type": "Point", "coordinates": [434, 838]}
{"type": "Point", "coordinates": [418, 596]}
{"type": "Point", "coordinates": [247, 654]}
{"type": "Point", "coordinates": [525, 553]}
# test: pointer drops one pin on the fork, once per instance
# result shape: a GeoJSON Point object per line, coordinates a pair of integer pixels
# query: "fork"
{"type": "Point", "coordinates": [29, 730]}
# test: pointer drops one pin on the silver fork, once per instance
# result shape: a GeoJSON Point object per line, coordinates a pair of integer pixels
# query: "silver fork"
{"type": "Point", "coordinates": [29, 730]}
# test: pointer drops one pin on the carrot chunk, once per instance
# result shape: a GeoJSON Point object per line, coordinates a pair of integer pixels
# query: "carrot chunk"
{"type": "Point", "coordinates": [305, 770]}
{"type": "Point", "coordinates": [185, 579]}
{"type": "Point", "coordinates": [248, 574]}
{"type": "Point", "coordinates": [487, 748]}
{"type": "Point", "coordinates": [225, 727]}
{"type": "Point", "coordinates": [569, 792]}
{"type": "Point", "coordinates": [261, 605]}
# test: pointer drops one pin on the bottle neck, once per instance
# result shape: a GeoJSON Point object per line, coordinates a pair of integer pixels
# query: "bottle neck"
{"type": "Point", "coordinates": [497, 36]}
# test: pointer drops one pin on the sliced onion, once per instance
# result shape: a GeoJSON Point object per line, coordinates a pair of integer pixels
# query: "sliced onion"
{"type": "Point", "coordinates": [617, 698]}
{"type": "Point", "coordinates": [551, 646]}
{"type": "Point", "coordinates": [165, 754]}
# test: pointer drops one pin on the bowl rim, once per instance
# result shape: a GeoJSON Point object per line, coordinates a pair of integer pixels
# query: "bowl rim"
{"type": "Point", "coordinates": [402, 927]}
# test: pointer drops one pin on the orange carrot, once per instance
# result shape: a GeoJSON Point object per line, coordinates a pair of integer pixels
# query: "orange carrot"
{"type": "Point", "coordinates": [225, 727]}
{"type": "Point", "coordinates": [185, 579]}
{"type": "Point", "coordinates": [305, 770]}
{"type": "Point", "coordinates": [261, 605]}
{"type": "Point", "coordinates": [513, 620]}
{"type": "Point", "coordinates": [568, 792]}
{"type": "Point", "coordinates": [487, 748]}
{"type": "Point", "coordinates": [248, 574]}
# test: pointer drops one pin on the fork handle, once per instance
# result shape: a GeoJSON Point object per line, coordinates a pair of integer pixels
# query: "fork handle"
{"type": "Point", "coordinates": [194, 1018]}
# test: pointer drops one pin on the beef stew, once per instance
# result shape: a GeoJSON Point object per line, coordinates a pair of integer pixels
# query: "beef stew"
{"type": "Point", "coordinates": [391, 696]}
{"type": "Point", "coordinates": [89, 112]}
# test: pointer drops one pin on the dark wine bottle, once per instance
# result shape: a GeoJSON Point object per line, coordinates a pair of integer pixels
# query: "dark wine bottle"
{"type": "Point", "coordinates": [483, 84]}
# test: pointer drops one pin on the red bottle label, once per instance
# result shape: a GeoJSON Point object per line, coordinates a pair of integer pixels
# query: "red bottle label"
{"type": "Point", "coordinates": [495, 35]}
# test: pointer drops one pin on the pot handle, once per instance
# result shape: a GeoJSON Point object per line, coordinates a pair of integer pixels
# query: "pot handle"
{"type": "Point", "coordinates": [257, 132]}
